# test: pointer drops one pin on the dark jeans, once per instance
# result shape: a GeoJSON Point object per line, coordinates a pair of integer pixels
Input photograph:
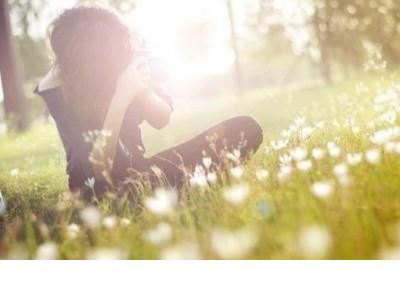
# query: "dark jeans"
{"type": "Point", "coordinates": [242, 132]}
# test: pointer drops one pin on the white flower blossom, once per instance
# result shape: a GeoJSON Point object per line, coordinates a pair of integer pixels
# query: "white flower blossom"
{"type": "Point", "coordinates": [163, 202]}
{"type": "Point", "coordinates": [298, 154]}
{"type": "Point", "coordinates": [304, 166]}
{"type": "Point", "coordinates": [314, 241]}
{"type": "Point", "coordinates": [181, 251]}
{"type": "Point", "coordinates": [354, 159]}
{"type": "Point", "coordinates": [234, 156]}
{"type": "Point", "coordinates": [160, 235]}
{"type": "Point", "coordinates": [318, 153]}
{"type": "Point", "coordinates": [73, 231]}
{"type": "Point", "coordinates": [212, 177]}
{"type": "Point", "coordinates": [262, 174]}
{"type": "Point", "coordinates": [233, 244]}
{"type": "Point", "coordinates": [236, 194]}
{"type": "Point", "coordinates": [322, 189]}
{"type": "Point", "coordinates": [47, 251]}
{"type": "Point", "coordinates": [207, 162]}
{"type": "Point", "coordinates": [237, 172]}
{"type": "Point", "coordinates": [107, 254]}
{"type": "Point", "coordinates": [91, 217]}
{"type": "Point", "coordinates": [341, 169]}
{"type": "Point", "coordinates": [373, 156]}
{"type": "Point", "coordinates": [14, 172]}
{"type": "Point", "coordinates": [110, 222]}
{"type": "Point", "coordinates": [284, 173]}
{"type": "Point", "coordinates": [279, 145]}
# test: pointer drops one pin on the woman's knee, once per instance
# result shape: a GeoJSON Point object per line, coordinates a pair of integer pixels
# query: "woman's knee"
{"type": "Point", "coordinates": [251, 130]}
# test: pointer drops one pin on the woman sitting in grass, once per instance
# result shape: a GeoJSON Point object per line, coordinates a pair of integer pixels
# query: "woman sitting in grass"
{"type": "Point", "coordinates": [105, 82]}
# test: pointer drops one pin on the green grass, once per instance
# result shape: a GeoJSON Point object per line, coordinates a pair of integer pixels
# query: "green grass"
{"type": "Point", "coordinates": [278, 219]}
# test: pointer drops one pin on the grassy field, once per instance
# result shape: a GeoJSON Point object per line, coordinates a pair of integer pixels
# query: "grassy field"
{"type": "Point", "coordinates": [325, 184]}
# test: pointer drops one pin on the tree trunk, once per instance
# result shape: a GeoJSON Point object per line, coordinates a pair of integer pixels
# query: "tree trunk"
{"type": "Point", "coordinates": [235, 46]}
{"type": "Point", "coordinates": [14, 102]}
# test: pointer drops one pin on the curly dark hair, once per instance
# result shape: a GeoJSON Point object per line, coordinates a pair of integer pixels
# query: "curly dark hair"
{"type": "Point", "coordinates": [92, 46]}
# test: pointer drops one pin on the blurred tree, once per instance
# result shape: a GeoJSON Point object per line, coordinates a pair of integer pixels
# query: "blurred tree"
{"type": "Point", "coordinates": [14, 103]}
{"type": "Point", "coordinates": [338, 30]}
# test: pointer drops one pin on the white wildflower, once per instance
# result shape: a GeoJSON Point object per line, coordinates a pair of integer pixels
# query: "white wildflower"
{"type": "Point", "coordinates": [314, 241]}
{"type": "Point", "coordinates": [322, 189]}
{"type": "Point", "coordinates": [198, 179]}
{"type": "Point", "coordinates": [163, 202]}
{"type": "Point", "coordinates": [47, 251]}
{"type": "Point", "coordinates": [90, 182]}
{"type": "Point", "coordinates": [304, 166]}
{"type": "Point", "coordinates": [160, 235]}
{"type": "Point", "coordinates": [237, 194]}
{"type": "Point", "coordinates": [233, 244]}
{"type": "Point", "coordinates": [91, 217]}
{"type": "Point", "coordinates": [212, 177]}
{"type": "Point", "coordinates": [110, 222]}
{"type": "Point", "coordinates": [14, 172]}
{"type": "Point", "coordinates": [284, 173]}
{"type": "Point", "coordinates": [298, 154]}
{"type": "Point", "coordinates": [318, 153]}
{"type": "Point", "coordinates": [234, 156]}
{"type": "Point", "coordinates": [306, 132]}
{"type": "Point", "coordinates": [299, 121]}
{"type": "Point", "coordinates": [107, 254]}
{"type": "Point", "coordinates": [279, 145]}
{"type": "Point", "coordinates": [182, 251]}
{"type": "Point", "coordinates": [285, 159]}
{"type": "Point", "coordinates": [237, 172]}
{"type": "Point", "coordinates": [262, 174]}
{"type": "Point", "coordinates": [334, 151]}
{"type": "Point", "coordinates": [73, 231]}
{"type": "Point", "coordinates": [125, 221]}
{"type": "Point", "coordinates": [345, 180]}
{"type": "Point", "coordinates": [354, 159]}
{"type": "Point", "coordinates": [390, 147]}
{"type": "Point", "coordinates": [207, 162]}
{"type": "Point", "coordinates": [373, 156]}
{"type": "Point", "coordinates": [341, 169]}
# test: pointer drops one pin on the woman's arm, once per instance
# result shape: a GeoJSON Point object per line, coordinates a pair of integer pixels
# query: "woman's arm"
{"type": "Point", "coordinates": [132, 82]}
{"type": "Point", "coordinates": [157, 111]}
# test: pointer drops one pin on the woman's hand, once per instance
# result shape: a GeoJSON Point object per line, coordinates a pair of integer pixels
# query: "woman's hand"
{"type": "Point", "coordinates": [133, 81]}
{"type": "Point", "coordinates": [51, 79]}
